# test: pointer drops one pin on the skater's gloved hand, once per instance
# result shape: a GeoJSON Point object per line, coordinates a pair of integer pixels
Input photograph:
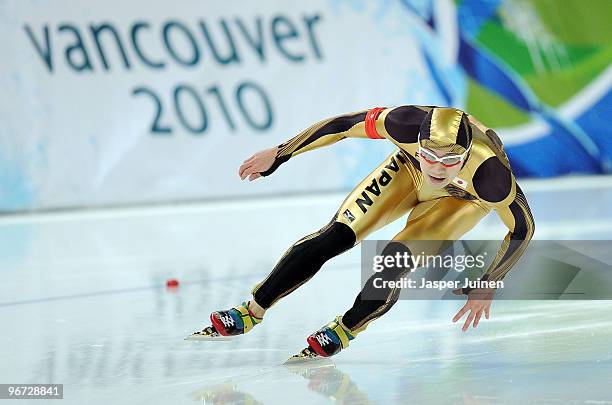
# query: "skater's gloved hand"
{"type": "Point", "coordinates": [479, 301]}
{"type": "Point", "coordinates": [258, 163]}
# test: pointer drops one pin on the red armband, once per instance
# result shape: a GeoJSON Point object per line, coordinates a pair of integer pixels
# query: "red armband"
{"type": "Point", "coordinates": [370, 123]}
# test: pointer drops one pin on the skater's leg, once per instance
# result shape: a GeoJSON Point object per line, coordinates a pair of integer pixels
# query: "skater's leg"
{"type": "Point", "coordinates": [302, 260]}
{"type": "Point", "coordinates": [444, 219]}
{"type": "Point", "coordinates": [383, 196]}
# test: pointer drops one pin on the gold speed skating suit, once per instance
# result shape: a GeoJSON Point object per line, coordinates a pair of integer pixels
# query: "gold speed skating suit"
{"type": "Point", "coordinates": [395, 188]}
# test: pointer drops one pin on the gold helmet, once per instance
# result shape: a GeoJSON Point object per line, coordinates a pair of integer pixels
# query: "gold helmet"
{"type": "Point", "coordinates": [447, 130]}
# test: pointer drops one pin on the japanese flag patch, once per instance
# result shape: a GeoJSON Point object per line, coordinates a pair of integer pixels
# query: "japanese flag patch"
{"type": "Point", "coordinates": [460, 182]}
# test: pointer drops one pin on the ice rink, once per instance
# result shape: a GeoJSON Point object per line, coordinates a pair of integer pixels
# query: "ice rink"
{"type": "Point", "coordinates": [83, 302]}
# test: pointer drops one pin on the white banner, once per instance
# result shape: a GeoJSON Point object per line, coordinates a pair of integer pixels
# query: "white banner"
{"type": "Point", "coordinates": [108, 103]}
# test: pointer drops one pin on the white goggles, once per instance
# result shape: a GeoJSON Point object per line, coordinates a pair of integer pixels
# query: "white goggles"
{"type": "Point", "coordinates": [447, 161]}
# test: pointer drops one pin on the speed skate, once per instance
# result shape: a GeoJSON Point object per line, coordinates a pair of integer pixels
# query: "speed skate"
{"type": "Point", "coordinates": [308, 357]}
{"type": "Point", "coordinates": [208, 333]}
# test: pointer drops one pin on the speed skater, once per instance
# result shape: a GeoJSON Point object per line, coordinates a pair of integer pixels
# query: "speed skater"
{"type": "Point", "coordinates": [448, 173]}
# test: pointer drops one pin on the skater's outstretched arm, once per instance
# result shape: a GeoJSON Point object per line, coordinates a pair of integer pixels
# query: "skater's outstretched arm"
{"type": "Point", "coordinates": [521, 227]}
{"type": "Point", "coordinates": [496, 185]}
{"type": "Point", "coordinates": [400, 125]}
{"type": "Point", "coordinates": [511, 205]}
{"type": "Point", "coordinates": [326, 132]}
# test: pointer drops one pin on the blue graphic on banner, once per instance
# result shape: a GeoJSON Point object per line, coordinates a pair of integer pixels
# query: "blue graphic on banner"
{"type": "Point", "coordinates": [570, 145]}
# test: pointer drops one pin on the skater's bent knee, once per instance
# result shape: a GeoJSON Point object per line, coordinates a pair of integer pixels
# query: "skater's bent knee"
{"type": "Point", "coordinates": [337, 238]}
{"type": "Point", "coordinates": [328, 242]}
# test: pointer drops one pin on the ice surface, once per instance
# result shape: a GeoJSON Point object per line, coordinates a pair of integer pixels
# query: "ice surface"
{"type": "Point", "coordinates": [83, 302]}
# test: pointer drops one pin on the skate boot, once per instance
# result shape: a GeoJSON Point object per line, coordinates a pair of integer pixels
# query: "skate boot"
{"type": "Point", "coordinates": [325, 342]}
{"type": "Point", "coordinates": [234, 321]}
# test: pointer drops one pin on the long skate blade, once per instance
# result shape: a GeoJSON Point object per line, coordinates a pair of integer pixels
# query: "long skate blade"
{"type": "Point", "coordinates": [205, 338]}
{"type": "Point", "coordinates": [308, 357]}
{"type": "Point", "coordinates": [208, 333]}
{"type": "Point", "coordinates": [309, 362]}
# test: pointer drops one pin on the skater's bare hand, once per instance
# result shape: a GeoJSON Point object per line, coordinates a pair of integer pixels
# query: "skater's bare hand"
{"type": "Point", "coordinates": [478, 302]}
{"type": "Point", "coordinates": [259, 162]}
